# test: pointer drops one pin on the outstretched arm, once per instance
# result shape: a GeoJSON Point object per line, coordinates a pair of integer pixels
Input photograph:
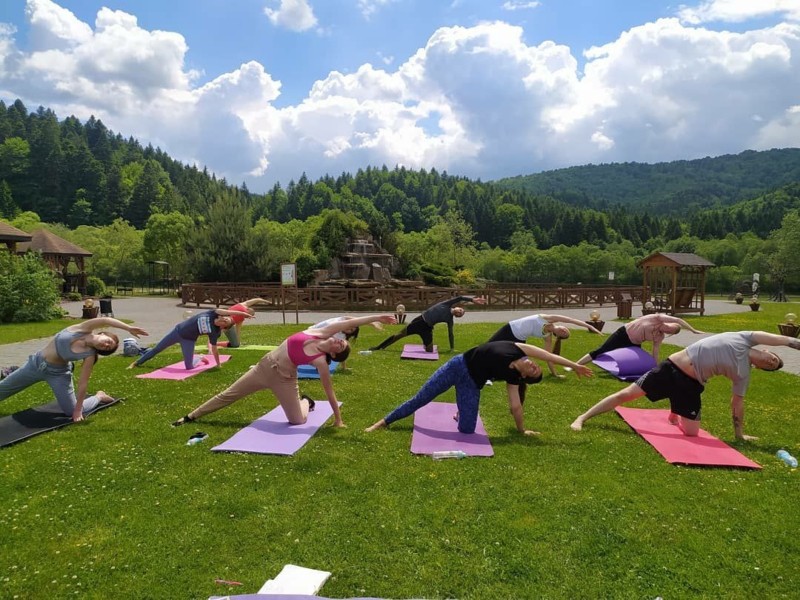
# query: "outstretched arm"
{"type": "Point", "coordinates": [225, 312]}
{"type": "Point", "coordinates": [679, 321]}
{"type": "Point", "coordinates": [91, 324]}
{"type": "Point", "coordinates": [536, 352]}
{"type": "Point", "coordinates": [771, 339]}
{"type": "Point", "coordinates": [737, 412]}
{"type": "Point", "coordinates": [548, 346]}
{"type": "Point", "coordinates": [517, 410]}
{"type": "Point", "coordinates": [83, 385]}
{"type": "Point", "coordinates": [338, 326]}
{"type": "Point", "coordinates": [571, 321]}
{"type": "Point", "coordinates": [327, 385]}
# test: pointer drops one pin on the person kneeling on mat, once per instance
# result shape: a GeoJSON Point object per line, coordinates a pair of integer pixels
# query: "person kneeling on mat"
{"type": "Point", "coordinates": [185, 333]}
{"type": "Point", "coordinates": [277, 371]}
{"type": "Point", "coordinates": [53, 365]}
{"type": "Point", "coordinates": [683, 376]}
{"type": "Point", "coordinates": [441, 312]}
{"type": "Point", "coordinates": [649, 328]}
{"type": "Point", "coordinates": [469, 372]}
{"type": "Point", "coordinates": [541, 326]}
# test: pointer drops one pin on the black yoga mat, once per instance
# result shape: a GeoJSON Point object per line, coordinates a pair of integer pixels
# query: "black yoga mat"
{"type": "Point", "coordinates": [33, 421]}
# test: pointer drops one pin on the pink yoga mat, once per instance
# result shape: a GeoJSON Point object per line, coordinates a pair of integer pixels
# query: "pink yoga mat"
{"type": "Point", "coordinates": [669, 441]}
{"type": "Point", "coordinates": [417, 351]}
{"type": "Point", "coordinates": [272, 434]}
{"type": "Point", "coordinates": [435, 429]}
{"type": "Point", "coordinates": [179, 372]}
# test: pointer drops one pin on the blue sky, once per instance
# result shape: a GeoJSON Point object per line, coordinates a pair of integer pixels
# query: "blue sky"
{"type": "Point", "coordinates": [264, 90]}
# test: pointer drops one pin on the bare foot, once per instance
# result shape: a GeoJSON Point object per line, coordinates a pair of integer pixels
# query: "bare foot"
{"type": "Point", "coordinates": [673, 419]}
{"type": "Point", "coordinates": [379, 425]}
{"type": "Point", "coordinates": [103, 397]}
{"type": "Point", "coordinates": [132, 365]}
{"type": "Point", "coordinates": [577, 424]}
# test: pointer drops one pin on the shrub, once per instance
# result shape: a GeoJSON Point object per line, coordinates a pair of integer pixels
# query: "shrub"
{"type": "Point", "coordinates": [95, 287]}
{"type": "Point", "coordinates": [28, 290]}
{"type": "Point", "coordinates": [434, 274]}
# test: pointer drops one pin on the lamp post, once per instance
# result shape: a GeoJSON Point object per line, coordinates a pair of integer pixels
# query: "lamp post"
{"type": "Point", "coordinates": [594, 320]}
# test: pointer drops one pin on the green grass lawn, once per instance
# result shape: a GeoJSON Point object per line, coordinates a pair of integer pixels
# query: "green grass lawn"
{"type": "Point", "coordinates": [19, 332]}
{"type": "Point", "coordinates": [120, 507]}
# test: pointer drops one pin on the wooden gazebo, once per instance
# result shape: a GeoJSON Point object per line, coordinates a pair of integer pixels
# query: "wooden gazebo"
{"type": "Point", "coordinates": [58, 253]}
{"type": "Point", "coordinates": [11, 236]}
{"type": "Point", "coordinates": [675, 282]}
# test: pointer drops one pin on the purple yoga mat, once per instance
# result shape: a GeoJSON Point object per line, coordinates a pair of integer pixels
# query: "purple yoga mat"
{"type": "Point", "coordinates": [272, 434]}
{"type": "Point", "coordinates": [435, 429]}
{"type": "Point", "coordinates": [179, 372]}
{"type": "Point", "coordinates": [627, 364]}
{"type": "Point", "coordinates": [417, 351]}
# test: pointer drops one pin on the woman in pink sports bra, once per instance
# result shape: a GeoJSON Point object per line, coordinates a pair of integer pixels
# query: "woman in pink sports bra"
{"type": "Point", "coordinates": [277, 371]}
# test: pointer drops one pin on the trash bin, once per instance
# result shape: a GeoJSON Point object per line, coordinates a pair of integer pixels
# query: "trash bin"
{"type": "Point", "coordinates": [624, 306]}
{"type": "Point", "coordinates": [105, 307]}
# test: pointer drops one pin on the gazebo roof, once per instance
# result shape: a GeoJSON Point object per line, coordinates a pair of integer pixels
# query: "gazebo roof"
{"type": "Point", "coordinates": [47, 242]}
{"type": "Point", "coordinates": [676, 259]}
{"type": "Point", "coordinates": [12, 234]}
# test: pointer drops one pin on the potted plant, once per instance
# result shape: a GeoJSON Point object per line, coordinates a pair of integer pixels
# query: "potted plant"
{"type": "Point", "coordinates": [739, 297]}
{"type": "Point", "coordinates": [754, 303]}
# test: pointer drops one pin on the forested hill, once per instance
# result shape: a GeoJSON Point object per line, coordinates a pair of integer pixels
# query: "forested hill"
{"type": "Point", "coordinates": [675, 188]}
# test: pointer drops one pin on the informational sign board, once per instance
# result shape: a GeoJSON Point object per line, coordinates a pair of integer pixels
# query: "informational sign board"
{"type": "Point", "coordinates": [289, 274]}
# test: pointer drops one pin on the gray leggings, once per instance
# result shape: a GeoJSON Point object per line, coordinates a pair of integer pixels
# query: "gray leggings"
{"type": "Point", "coordinates": [58, 377]}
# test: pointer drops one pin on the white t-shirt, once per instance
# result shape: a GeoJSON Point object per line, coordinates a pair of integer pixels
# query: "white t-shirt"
{"type": "Point", "coordinates": [526, 327]}
{"type": "Point", "coordinates": [341, 335]}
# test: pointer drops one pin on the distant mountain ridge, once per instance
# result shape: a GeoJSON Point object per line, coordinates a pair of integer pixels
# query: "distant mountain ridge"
{"type": "Point", "coordinates": [672, 188]}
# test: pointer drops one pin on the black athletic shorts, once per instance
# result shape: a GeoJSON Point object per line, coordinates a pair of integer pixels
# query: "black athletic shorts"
{"type": "Point", "coordinates": [668, 381]}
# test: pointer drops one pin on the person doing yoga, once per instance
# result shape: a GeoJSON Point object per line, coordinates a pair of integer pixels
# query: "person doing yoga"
{"type": "Point", "coordinates": [277, 371]}
{"type": "Point", "coordinates": [53, 364]}
{"type": "Point", "coordinates": [185, 333]}
{"type": "Point", "coordinates": [541, 326]}
{"type": "Point", "coordinates": [441, 312]}
{"type": "Point", "coordinates": [234, 334]}
{"type": "Point", "coordinates": [468, 372]}
{"type": "Point", "coordinates": [649, 328]}
{"type": "Point", "coordinates": [683, 376]}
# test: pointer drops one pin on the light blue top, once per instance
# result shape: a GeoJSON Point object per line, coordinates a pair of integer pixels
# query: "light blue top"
{"type": "Point", "coordinates": [64, 339]}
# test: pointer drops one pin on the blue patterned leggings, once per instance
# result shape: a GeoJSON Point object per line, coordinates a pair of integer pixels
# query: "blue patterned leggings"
{"type": "Point", "coordinates": [172, 338]}
{"type": "Point", "coordinates": [453, 373]}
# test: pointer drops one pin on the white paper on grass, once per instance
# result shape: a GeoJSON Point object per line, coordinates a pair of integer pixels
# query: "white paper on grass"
{"type": "Point", "coordinates": [296, 580]}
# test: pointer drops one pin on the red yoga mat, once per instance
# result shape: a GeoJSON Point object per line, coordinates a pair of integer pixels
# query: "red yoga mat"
{"type": "Point", "coordinates": [669, 441]}
{"type": "Point", "coordinates": [179, 372]}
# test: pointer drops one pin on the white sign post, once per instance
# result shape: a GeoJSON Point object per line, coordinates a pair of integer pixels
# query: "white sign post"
{"type": "Point", "coordinates": [289, 279]}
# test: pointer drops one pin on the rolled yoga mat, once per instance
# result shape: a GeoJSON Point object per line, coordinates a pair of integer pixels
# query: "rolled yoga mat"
{"type": "Point", "coordinates": [627, 364]}
{"type": "Point", "coordinates": [33, 421]}
{"type": "Point", "coordinates": [179, 372]}
{"type": "Point", "coordinates": [435, 429]}
{"type": "Point", "coordinates": [417, 352]}
{"type": "Point", "coordinates": [669, 441]}
{"type": "Point", "coordinates": [272, 434]}
{"type": "Point", "coordinates": [310, 371]}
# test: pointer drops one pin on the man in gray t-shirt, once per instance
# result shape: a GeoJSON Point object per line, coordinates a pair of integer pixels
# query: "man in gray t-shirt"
{"type": "Point", "coordinates": [682, 377]}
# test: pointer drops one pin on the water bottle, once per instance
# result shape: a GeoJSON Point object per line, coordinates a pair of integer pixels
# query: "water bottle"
{"type": "Point", "coordinates": [790, 460]}
{"type": "Point", "coordinates": [365, 352]}
{"type": "Point", "coordinates": [197, 438]}
{"type": "Point", "coordinates": [442, 454]}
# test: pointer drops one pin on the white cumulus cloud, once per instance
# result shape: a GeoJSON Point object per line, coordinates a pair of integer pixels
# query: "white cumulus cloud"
{"type": "Point", "coordinates": [735, 11]}
{"type": "Point", "coordinates": [296, 15]}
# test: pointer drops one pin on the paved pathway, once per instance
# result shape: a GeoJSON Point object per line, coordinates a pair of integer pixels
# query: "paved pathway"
{"type": "Point", "coordinates": [159, 315]}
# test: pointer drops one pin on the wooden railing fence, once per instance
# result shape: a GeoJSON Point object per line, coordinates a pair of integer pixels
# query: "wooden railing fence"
{"type": "Point", "coordinates": [414, 299]}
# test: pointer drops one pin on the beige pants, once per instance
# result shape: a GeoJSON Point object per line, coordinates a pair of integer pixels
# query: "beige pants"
{"type": "Point", "coordinates": [266, 375]}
